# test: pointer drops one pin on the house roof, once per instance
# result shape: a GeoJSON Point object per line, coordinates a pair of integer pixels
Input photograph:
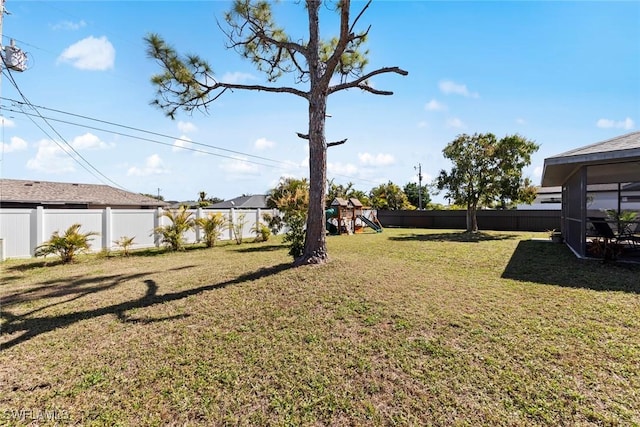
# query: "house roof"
{"type": "Point", "coordinates": [614, 160]}
{"type": "Point", "coordinates": [63, 193]}
{"type": "Point", "coordinates": [256, 201]}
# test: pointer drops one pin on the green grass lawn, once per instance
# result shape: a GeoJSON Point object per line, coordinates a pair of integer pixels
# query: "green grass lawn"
{"type": "Point", "coordinates": [407, 327]}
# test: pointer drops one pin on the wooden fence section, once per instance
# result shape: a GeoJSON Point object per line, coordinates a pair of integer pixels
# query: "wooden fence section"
{"type": "Point", "coordinates": [499, 220]}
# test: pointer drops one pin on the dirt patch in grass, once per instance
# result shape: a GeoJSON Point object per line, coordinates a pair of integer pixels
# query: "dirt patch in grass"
{"type": "Point", "coordinates": [410, 327]}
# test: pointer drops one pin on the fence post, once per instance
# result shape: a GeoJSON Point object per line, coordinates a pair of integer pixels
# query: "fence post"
{"type": "Point", "coordinates": [106, 229]}
{"type": "Point", "coordinates": [37, 229]}
{"type": "Point", "coordinates": [198, 229]}
{"type": "Point", "coordinates": [157, 222]}
{"type": "Point", "coordinates": [232, 221]}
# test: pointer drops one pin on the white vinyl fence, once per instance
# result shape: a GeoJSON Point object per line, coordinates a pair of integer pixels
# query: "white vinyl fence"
{"type": "Point", "coordinates": [21, 230]}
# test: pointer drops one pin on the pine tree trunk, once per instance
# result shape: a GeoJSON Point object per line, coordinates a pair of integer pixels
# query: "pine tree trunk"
{"type": "Point", "coordinates": [315, 245]}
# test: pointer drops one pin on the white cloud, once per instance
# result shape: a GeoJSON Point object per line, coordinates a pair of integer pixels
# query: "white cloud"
{"type": "Point", "coordinates": [186, 127]}
{"type": "Point", "coordinates": [521, 121]}
{"type": "Point", "coordinates": [88, 141]}
{"type": "Point", "coordinates": [7, 123]}
{"type": "Point", "coordinates": [239, 166]}
{"type": "Point", "coordinates": [622, 124]}
{"type": "Point", "coordinates": [181, 143]}
{"type": "Point", "coordinates": [342, 168]}
{"type": "Point", "coordinates": [237, 77]}
{"type": "Point", "coordinates": [434, 105]}
{"type": "Point", "coordinates": [450, 87]}
{"type": "Point", "coordinates": [537, 172]}
{"type": "Point", "coordinates": [69, 26]}
{"type": "Point", "coordinates": [455, 123]}
{"type": "Point", "coordinates": [90, 54]}
{"type": "Point", "coordinates": [50, 158]}
{"type": "Point", "coordinates": [153, 165]}
{"type": "Point", "coordinates": [16, 144]}
{"type": "Point", "coordinates": [379, 159]}
{"type": "Point", "coordinates": [263, 144]}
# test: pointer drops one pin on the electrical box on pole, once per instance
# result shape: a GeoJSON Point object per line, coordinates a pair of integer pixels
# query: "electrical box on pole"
{"type": "Point", "coordinates": [14, 58]}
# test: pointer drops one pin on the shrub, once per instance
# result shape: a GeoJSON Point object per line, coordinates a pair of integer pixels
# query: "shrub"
{"type": "Point", "coordinates": [125, 243]}
{"type": "Point", "coordinates": [274, 222]}
{"type": "Point", "coordinates": [212, 225]}
{"type": "Point", "coordinates": [237, 227]}
{"type": "Point", "coordinates": [262, 232]}
{"type": "Point", "coordinates": [67, 245]}
{"type": "Point", "coordinates": [295, 233]}
{"type": "Point", "coordinates": [173, 234]}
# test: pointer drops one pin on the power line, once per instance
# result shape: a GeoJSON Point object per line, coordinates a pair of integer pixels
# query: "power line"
{"type": "Point", "coordinates": [197, 150]}
{"type": "Point", "coordinates": [288, 164]}
{"type": "Point", "coordinates": [26, 101]}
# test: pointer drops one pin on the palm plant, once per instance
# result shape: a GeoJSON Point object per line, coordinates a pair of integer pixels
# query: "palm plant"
{"type": "Point", "coordinates": [67, 245]}
{"type": "Point", "coordinates": [237, 227]}
{"type": "Point", "coordinates": [125, 243]}
{"type": "Point", "coordinates": [262, 232]}
{"type": "Point", "coordinates": [212, 225]}
{"type": "Point", "coordinates": [173, 234]}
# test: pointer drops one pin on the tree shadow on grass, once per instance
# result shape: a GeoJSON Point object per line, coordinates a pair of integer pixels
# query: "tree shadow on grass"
{"type": "Point", "coordinates": [460, 236]}
{"type": "Point", "coordinates": [78, 285]}
{"type": "Point", "coordinates": [554, 264]}
{"type": "Point", "coordinates": [260, 248]}
{"type": "Point", "coordinates": [34, 326]}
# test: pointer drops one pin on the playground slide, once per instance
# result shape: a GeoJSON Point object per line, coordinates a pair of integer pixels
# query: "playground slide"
{"type": "Point", "coordinates": [370, 223]}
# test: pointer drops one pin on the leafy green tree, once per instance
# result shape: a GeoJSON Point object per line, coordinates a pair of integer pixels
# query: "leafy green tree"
{"type": "Point", "coordinates": [67, 245]}
{"type": "Point", "coordinates": [389, 196]}
{"type": "Point", "coordinates": [324, 66]}
{"type": "Point", "coordinates": [345, 192]}
{"type": "Point", "coordinates": [202, 199]}
{"type": "Point", "coordinates": [291, 198]}
{"type": "Point", "coordinates": [212, 226]}
{"type": "Point", "coordinates": [291, 194]}
{"type": "Point", "coordinates": [173, 234]}
{"type": "Point", "coordinates": [486, 170]}
{"type": "Point", "coordinates": [413, 195]}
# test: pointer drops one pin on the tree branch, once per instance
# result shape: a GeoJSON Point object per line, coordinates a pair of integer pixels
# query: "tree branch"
{"type": "Point", "coordinates": [302, 135]}
{"type": "Point", "coordinates": [358, 83]}
{"type": "Point", "coordinates": [333, 144]}
{"type": "Point", "coordinates": [355, 21]}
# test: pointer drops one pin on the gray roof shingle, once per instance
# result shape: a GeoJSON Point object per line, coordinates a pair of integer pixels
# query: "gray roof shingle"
{"type": "Point", "coordinates": [61, 193]}
{"type": "Point", "coordinates": [256, 201]}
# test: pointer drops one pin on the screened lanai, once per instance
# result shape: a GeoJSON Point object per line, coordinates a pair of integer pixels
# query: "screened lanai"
{"type": "Point", "coordinates": [599, 182]}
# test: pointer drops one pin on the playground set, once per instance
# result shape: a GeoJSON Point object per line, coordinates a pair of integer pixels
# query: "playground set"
{"type": "Point", "coordinates": [347, 217]}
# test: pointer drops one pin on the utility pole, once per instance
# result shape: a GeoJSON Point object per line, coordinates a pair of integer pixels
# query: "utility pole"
{"type": "Point", "coordinates": [419, 169]}
{"type": "Point", "coordinates": [13, 58]}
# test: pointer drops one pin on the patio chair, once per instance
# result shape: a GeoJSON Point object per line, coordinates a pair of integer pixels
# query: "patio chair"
{"type": "Point", "coordinates": [630, 235]}
{"type": "Point", "coordinates": [606, 240]}
{"type": "Point", "coordinates": [602, 228]}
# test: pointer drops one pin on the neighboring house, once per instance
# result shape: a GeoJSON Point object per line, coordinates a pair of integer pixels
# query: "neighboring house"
{"type": "Point", "coordinates": [257, 201]}
{"type": "Point", "coordinates": [599, 197]}
{"type": "Point", "coordinates": [63, 195]}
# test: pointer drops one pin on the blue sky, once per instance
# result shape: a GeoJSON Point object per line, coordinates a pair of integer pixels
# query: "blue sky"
{"type": "Point", "coordinates": [565, 74]}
